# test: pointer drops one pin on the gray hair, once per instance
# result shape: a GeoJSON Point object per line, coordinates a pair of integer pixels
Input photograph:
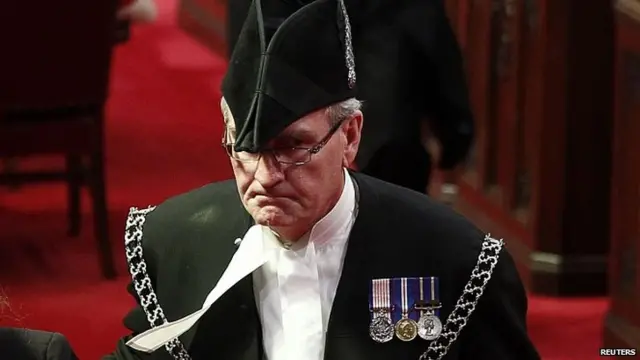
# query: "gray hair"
{"type": "Point", "coordinates": [342, 110]}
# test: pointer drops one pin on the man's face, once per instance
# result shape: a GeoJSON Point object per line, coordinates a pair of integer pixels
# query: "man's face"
{"type": "Point", "coordinates": [290, 198]}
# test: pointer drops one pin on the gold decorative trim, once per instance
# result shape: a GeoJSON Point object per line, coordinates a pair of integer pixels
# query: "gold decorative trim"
{"type": "Point", "coordinates": [629, 7]}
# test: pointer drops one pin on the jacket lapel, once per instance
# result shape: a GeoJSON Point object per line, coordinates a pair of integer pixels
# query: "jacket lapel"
{"type": "Point", "coordinates": [351, 298]}
{"type": "Point", "coordinates": [351, 293]}
{"type": "Point", "coordinates": [240, 295]}
{"type": "Point", "coordinates": [245, 290]}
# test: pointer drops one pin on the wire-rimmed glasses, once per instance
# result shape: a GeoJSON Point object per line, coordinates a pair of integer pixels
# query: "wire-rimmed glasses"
{"type": "Point", "coordinates": [283, 155]}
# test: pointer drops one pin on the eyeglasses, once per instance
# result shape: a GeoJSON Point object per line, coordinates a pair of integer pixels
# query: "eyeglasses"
{"type": "Point", "coordinates": [283, 155]}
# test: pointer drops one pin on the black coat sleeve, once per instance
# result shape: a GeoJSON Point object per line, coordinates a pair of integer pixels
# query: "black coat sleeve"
{"type": "Point", "coordinates": [442, 79]}
{"type": "Point", "coordinates": [29, 344]}
{"type": "Point", "coordinates": [60, 349]}
{"type": "Point", "coordinates": [497, 329]}
{"type": "Point", "coordinates": [136, 322]}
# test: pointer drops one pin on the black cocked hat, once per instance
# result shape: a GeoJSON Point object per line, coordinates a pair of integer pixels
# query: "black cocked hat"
{"type": "Point", "coordinates": [290, 60]}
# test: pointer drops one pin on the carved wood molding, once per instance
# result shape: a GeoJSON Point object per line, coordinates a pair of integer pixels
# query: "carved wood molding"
{"type": "Point", "coordinates": [629, 7]}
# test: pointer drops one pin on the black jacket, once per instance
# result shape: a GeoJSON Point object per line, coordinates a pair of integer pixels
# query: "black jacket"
{"type": "Point", "coordinates": [409, 70]}
{"type": "Point", "coordinates": [26, 344]}
{"type": "Point", "coordinates": [189, 240]}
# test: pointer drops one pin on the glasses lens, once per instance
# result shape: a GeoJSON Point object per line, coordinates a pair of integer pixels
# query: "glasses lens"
{"type": "Point", "coordinates": [292, 155]}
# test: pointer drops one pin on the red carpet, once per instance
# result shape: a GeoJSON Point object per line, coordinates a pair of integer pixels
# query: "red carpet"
{"type": "Point", "coordinates": [163, 133]}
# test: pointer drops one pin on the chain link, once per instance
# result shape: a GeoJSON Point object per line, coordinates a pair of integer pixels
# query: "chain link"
{"type": "Point", "coordinates": [141, 281]}
{"type": "Point", "coordinates": [467, 302]}
{"type": "Point", "coordinates": [457, 320]}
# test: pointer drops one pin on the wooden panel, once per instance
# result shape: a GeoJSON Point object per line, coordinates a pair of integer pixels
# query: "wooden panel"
{"type": "Point", "coordinates": [531, 105]}
{"type": "Point", "coordinates": [623, 321]}
{"type": "Point", "coordinates": [206, 21]}
{"type": "Point", "coordinates": [478, 56]}
{"type": "Point", "coordinates": [548, 164]}
{"type": "Point", "coordinates": [573, 160]}
{"type": "Point", "coordinates": [507, 99]}
{"type": "Point", "coordinates": [543, 118]}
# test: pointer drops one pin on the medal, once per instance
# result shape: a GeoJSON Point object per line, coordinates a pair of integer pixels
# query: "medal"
{"type": "Point", "coordinates": [429, 325]}
{"type": "Point", "coordinates": [381, 326]}
{"type": "Point", "coordinates": [406, 328]}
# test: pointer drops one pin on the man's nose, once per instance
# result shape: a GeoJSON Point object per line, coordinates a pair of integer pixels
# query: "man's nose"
{"type": "Point", "coordinates": [268, 171]}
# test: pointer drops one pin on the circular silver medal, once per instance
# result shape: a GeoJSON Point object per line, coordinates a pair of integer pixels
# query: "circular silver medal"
{"type": "Point", "coordinates": [381, 329]}
{"type": "Point", "coordinates": [429, 327]}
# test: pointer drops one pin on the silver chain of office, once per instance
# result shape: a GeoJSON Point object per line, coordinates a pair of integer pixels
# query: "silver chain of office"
{"type": "Point", "coordinates": [457, 320]}
{"type": "Point", "coordinates": [467, 302]}
{"type": "Point", "coordinates": [141, 281]}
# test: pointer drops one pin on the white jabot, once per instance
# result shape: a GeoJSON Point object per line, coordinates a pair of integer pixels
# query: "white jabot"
{"type": "Point", "coordinates": [295, 289]}
{"type": "Point", "coordinates": [255, 249]}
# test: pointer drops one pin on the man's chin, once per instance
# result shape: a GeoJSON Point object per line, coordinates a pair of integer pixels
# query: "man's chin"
{"type": "Point", "coordinates": [273, 217]}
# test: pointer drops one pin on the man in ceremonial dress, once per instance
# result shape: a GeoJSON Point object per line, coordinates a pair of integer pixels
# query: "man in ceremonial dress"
{"type": "Point", "coordinates": [411, 77]}
{"type": "Point", "coordinates": [298, 258]}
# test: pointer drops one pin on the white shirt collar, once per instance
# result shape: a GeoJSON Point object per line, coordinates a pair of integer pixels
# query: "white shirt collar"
{"type": "Point", "coordinates": [338, 218]}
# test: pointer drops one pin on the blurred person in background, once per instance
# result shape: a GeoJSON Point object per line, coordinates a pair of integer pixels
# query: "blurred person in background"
{"type": "Point", "coordinates": [412, 81]}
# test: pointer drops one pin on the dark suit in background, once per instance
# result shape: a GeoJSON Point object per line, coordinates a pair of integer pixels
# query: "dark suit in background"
{"type": "Point", "coordinates": [26, 344]}
{"type": "Point", "coordinates": [410, 71]}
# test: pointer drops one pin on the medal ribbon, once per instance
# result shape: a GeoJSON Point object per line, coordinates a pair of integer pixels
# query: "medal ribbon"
{"type": "Point", "coordinates": [400, 301]}
{"type": "Point", "coordinates": [421, 289]}
{"type": "Point", "coordinates": [385, 303]}
{"type": "Point", "coordinates": [375, 297]}
{"type": "Point", "coordinates": [373, 301]}
{"type": "Point", "coordinates": [404, 297]}
{"type": "Point", "coordinates": [433, 288]}
{"type": "Point", "coordinates": [380, 295]}
{"type": "Point", "coordinates": [432, 291]}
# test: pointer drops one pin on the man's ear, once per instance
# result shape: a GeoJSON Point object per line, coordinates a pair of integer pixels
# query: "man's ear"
{"type": "Point", "coordinates": [226, 113]}
{"type": "Point", "coordinates": [229, 122]}
{"type": "Point", "coordinates": [352, 131]}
